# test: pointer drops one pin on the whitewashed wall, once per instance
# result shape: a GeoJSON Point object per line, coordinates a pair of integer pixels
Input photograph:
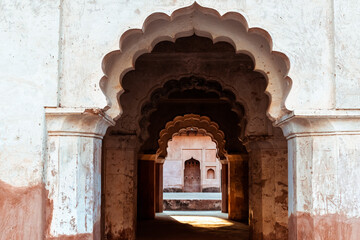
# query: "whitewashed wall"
{"type": "Point", "coordinates": [29, 34]}
{"type": "Point", "coordinates": [347, 54]}
{"type": "Point", "coordinates": [51, 54]}
{"type": "Point", "coordinates": [303, 31]}
{"type": "Point", "coordinates": [44, 43]}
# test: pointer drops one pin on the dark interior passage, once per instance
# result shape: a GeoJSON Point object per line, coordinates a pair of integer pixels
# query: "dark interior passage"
{"type": "Point", "coordinates": [217, 90]}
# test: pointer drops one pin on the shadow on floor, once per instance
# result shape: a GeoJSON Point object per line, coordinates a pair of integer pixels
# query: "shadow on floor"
{"type": "Point", "coordinates": [191, 225]}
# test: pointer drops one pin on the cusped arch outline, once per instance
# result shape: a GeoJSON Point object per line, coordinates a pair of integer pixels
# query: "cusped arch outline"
{"type": "Point", "coordinates": [186, 83]}
{"type": "Point", "coordinates": [205, 22]}
{"type": "Point", "coordinates": [191, 122]}
{"type": "Point", "coordinates": [220, 148]}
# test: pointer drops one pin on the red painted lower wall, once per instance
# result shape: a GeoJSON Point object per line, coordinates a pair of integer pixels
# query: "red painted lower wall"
{"type": "Point", "coordinates": [22, 212]}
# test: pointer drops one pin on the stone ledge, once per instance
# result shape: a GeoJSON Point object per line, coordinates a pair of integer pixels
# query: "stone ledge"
{"type": "Point", "coordinates": [320, 123]}
{"type": "Point", "coordinates": [80, 122]}
{"type": "Point", "coordinates": [194, 204]}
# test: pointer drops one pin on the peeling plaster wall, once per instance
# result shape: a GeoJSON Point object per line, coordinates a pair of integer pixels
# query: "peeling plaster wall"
{"type": "Point", "coordinates": [334, 169]}
{"type": "Point", "coordinates": [33, 61]}
{"type": "Point", "coordinates": [327, 206]}
{"type": "Point", "coordinates": [51, 53]}
{"type": "Point", "coordinates": [22, 212]}
{"type": "Point", "coordinates": [268, 191]}
{"type": "Point", "coordinates": [29, 33]}
{"type": "Point", "coordinates": [119, 187]}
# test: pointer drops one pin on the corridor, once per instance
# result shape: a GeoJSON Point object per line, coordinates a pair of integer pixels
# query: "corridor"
{"type": "Point", "coordinates": [191, 225]}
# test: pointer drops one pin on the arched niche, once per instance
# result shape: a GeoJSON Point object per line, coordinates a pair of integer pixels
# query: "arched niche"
{"type": "Point", "coordinates": [230, 27]}
{"type": "Point", "coordinates": [191, 122]}
{"type": "Point", "coordinates": [210, 174]}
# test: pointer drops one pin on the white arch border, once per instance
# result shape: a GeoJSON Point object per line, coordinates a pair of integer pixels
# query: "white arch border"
{"type": "Point", "coordinates": [205, 22]}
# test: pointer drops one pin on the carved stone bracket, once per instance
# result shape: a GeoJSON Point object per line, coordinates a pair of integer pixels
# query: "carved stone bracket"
{"type": "Point", "coordinates": [84, 122]}
{"type": "Point", "coordinates": [320, 123]}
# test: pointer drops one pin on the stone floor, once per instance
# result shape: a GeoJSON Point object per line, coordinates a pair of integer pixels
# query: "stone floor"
{"type": "Point", "coordinates": [192, 225]}
{"type": "Point", "coordinates": [192, 195]}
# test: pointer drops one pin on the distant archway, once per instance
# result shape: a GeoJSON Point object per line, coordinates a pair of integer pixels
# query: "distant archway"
{"type": "Point", "coordinates": [189, 121]}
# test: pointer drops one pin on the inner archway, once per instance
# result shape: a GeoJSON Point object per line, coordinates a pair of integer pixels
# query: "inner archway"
{"type": "Point", "coordinates": [191, 143]}
{"type": "Point", "coordinates": [239, 106]}
{"type": "Point", "coordinates": [193, 136]}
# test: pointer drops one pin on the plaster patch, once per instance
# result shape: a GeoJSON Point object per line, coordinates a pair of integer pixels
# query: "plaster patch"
{"type": "Point", "coordinates": [326, 227]}
{"type": "Point", "coordinates": [22, 211]}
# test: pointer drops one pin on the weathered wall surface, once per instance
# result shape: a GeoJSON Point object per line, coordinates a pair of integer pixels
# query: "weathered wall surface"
{"type": "Point", "coordinates": [28, 78]}
{"type": "Point", "coordinates": [182, 148]}
{"type": "Point", "coordinates": [268, 193]}
{"type": "Point", "coordinates": [302, 25]}
{"type": "Point", "coordinates": [238, 187]}
{"type": "Point", "coordinates": [323, 197]}
{"type": "Point", "coordinates": [29, 33]}
{"type": "Point", "coordinates": [119, 186]}
{"type": "Point", "coordinates": [35, 63]}
{"type": "Point", "coordinates": [22, 212]}
{"type": "Point", "coordinates": [346, 58]}
{"type": "Point", "coordinates": [51, 53]}
{"type": "Point", "coordinates": [73, 173]}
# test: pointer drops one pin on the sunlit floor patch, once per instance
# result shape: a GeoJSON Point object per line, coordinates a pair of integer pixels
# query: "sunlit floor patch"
{"type": "Point", "coordinates": [192, 225]}
{"type": "Point", "coordinates": [203, 221]}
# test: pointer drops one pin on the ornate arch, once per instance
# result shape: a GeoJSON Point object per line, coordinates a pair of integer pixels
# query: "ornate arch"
{"type": "Point", "coordinates": [192, 122]}
{"type": "Point", "coordinates": [230, 27]}
{"type": "Point", "coordinates": [183, 84]}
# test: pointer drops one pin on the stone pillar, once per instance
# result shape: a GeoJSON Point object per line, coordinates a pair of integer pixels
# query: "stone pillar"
{"type": "Point", "coordinates": [146, 186]}
{"type": "Point", "coordinates": [324, 167]}
{"type": "Point", "coordinates": [159, 186]}
{"type": "Point", "coordinates": [267, 187]}
{"type": "Point", "coordinates": [120, 177]}
{"type": "Point", "coordinates": [238, 207]}
{"type": "Point", "coordinates": [224, 187]}
{"type": "Point", "coordinates": [73, 172]}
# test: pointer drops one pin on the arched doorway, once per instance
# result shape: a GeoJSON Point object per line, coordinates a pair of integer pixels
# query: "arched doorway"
{"type": "Point", "coordinates": [239, 109]}
{"type": "Point", "coordinates": [75, 137]}
{"type": "Point", "coordinates": [164, 85]}
{"type": "Point", "coordinates": [192, 176]}
{"type": "Point", "coordinates": [130, 146]}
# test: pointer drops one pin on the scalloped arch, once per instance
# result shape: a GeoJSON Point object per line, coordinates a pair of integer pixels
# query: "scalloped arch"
{"type": "Point", "coordinates": [185, 83]}
{"type": "Point", "coordinates": [203, 132]}
{"type": "Point", "coordinates": [189, 121]}
{"type": "Point", "coordinates": [205, 22]}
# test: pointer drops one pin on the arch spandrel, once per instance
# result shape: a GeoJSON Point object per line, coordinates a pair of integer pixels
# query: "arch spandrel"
{"type": "Point", "coordinates": [205, 22]}
{"type": "Point", "coordinates": [188, 122]}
